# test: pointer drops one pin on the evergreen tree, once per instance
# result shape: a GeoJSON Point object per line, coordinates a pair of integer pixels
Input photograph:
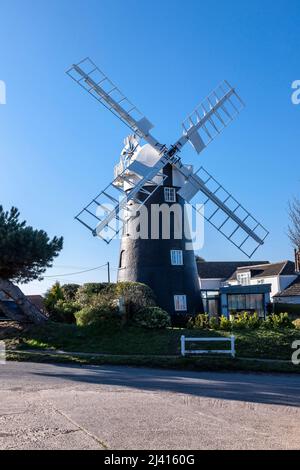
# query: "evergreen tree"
{"type": "Point", "coordinates": [25, 254]}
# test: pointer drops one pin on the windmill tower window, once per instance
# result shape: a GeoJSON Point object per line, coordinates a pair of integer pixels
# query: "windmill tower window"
{"type": "Point", "coordinates": [180, 303]}
{"type": "Point", "coordinates": [122, 257]}
{"type": "Point", "coordinates": [176, 258]}
{"type": "Point", "coordinates": [170, 194]}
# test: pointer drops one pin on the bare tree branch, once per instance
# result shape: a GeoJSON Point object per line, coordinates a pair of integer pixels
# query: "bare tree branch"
{"type": "Point", "coordinates": [294, 226]}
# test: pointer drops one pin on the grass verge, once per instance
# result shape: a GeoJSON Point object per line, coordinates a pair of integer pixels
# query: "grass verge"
{"type": "Point", "coordinates": [140, 347]}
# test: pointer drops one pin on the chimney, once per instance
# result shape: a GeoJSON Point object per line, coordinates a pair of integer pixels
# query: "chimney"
{"type": "Point", "coordinates": [297, 260]}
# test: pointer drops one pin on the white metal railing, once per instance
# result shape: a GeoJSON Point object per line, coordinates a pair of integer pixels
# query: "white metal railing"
{"type": "Point", "coordinates": [230, 351]}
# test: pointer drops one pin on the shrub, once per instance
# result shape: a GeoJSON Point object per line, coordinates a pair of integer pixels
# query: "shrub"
{"type": "Point", "coordinates": [69, 291]}
{"type": "Point", "coordinates": [225, 323]}
{"type": "Point", "coordinates": [254, 321]}
{"type": "Point", "coordinates": [296, 323]}
{"type": "Point", "coordinates": [214, 323]}
{"type": "Point", "coordinates": [199, 322]}
{"type": "Point", "coordinates": [52, 296]}
{"type": "Point", "coordinates": [86, 294]}
{"type": "Point", "coordinates": [203, 321]}
{"type": "Point", "coordinates": [245, 320]}
{"type": "Point", "coordinates": [101, 316]}
{"type": "Point", "coordinates": [64, 311]}
{"type": "Point", "coordinates": [136, 296]}
{"type": "Point", "coordinates": [280, 320]}
{"type": "Point", "coordinates": [152, 317]}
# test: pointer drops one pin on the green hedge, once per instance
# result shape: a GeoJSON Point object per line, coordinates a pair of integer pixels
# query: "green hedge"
{"type": "Point", "coordinates": [241, 321]}
{"type": "Point", "coordinates": [152, 318]}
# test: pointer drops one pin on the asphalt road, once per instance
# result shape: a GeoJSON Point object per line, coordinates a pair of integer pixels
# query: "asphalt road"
{"type": "Point", "coordinates": [44, 406]}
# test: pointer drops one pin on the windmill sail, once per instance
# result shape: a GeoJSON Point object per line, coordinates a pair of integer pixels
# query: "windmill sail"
{"type": "Point", "coordinates": [94, 81]}
{"type": "Point", "coordinates": [211, 117]}
{"type": "Point", "coordinates": [223, 211]}
{"type": "Point", "coordinates": [104, 215]}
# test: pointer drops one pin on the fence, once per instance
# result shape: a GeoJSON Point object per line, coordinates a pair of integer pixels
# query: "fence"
{"type": "Point", "coordinates": [205, 351]}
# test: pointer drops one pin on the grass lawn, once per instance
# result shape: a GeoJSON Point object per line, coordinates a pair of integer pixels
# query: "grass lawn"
{"type": "Point", "coordinates": [260, 343]}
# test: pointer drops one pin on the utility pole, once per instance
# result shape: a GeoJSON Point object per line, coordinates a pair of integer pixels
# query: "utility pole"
{"type": "Point", "coordinates": [108, 272]}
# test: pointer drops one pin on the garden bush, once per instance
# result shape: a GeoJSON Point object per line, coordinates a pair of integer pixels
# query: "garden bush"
{"type": "Point", "coordinates": [52, 296]}
{"type": "Point", "coordinates": [241, 321]}
{"type": "Point", "coordinates": [63, 302]}
{"type": "Point", "coordinates": [60, 303]}
{"type": "Point", "coordinates": [199, 322]}
{"type": "Point", "coordinates": [296, 323]}
{"type": "Point", "coordinates": [245, 320]}
{"type": "Point", "coordinates": [280, 320]}
{"type": "Point", "coordinates": [203, 321]}
{"type": "Point", "coordinates": [64, 312]}
{"type": "Point", "coordinates": [214, 323]}
{"type": "Point", "coordinates": [69, 292]}
{"type": "Point", "coordinates": [152, 318]}
{"type": "Point", "coordinates": [136, 296]}
{"type": "Point", "coordinates": [225, 323]}
{"type": "Point", "coordinates": [101, 316]}
{"type": "Point", "coordinates": [87, 293]}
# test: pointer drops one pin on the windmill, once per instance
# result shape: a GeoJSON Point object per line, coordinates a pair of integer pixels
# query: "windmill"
{"type": "Point", "coordinates": [153, 174]}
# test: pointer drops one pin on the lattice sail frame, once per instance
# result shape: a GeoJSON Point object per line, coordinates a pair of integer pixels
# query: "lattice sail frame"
{"type": "Point", "coordinates": [211, 117]}
{"type": "Point", "coordinates": [223, 211]}
{"type": "Point", "coordinates": [113, 200]}
{"type": "Point", "coordinates": [97, 84]}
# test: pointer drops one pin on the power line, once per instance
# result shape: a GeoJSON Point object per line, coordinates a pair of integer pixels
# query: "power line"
{"type": "Point", "coordinates": [78, 272]}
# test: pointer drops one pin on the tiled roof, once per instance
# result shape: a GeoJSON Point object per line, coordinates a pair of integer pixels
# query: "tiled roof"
{"type": "Point", "coordinates": [292, 290]}
{"type": "Point", "coordinates": [222, 269]}
{"type": "Point", "coordinates": [37, 300]}
{"type": "Point", "coordinates": [270, 269]}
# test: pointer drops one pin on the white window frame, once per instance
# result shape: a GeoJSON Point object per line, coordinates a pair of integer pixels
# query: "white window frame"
{"type": "Point", "coordinates": [170, 194]}
{"type": "Point", "coordinates": [180, 303]}
{"type": "Point", "coordinates": [176, 257]}
{"type": "Point", "coordinates": [244, 278]}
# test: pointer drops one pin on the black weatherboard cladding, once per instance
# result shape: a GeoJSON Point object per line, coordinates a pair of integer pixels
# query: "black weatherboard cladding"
{"type": "Point", "coordinates": [149, 261]}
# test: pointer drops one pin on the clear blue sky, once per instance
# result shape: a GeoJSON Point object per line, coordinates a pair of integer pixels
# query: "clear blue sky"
{"type": "Point", "coordinates": [58, 146]}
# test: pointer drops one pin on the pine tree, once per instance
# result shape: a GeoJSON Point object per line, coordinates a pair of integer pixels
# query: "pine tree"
{"type": "Point", "coordinates": [25, 254]}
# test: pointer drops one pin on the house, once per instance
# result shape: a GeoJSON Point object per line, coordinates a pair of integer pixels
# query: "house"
{"type": "Point", "coordinates": [280, 275]}
{"type": "Point", "coordinates": [228, 287]}
{"type": "Point", "coordinates": [213, 276]}
{"type": "Point", "coordinates": [289, 295]}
